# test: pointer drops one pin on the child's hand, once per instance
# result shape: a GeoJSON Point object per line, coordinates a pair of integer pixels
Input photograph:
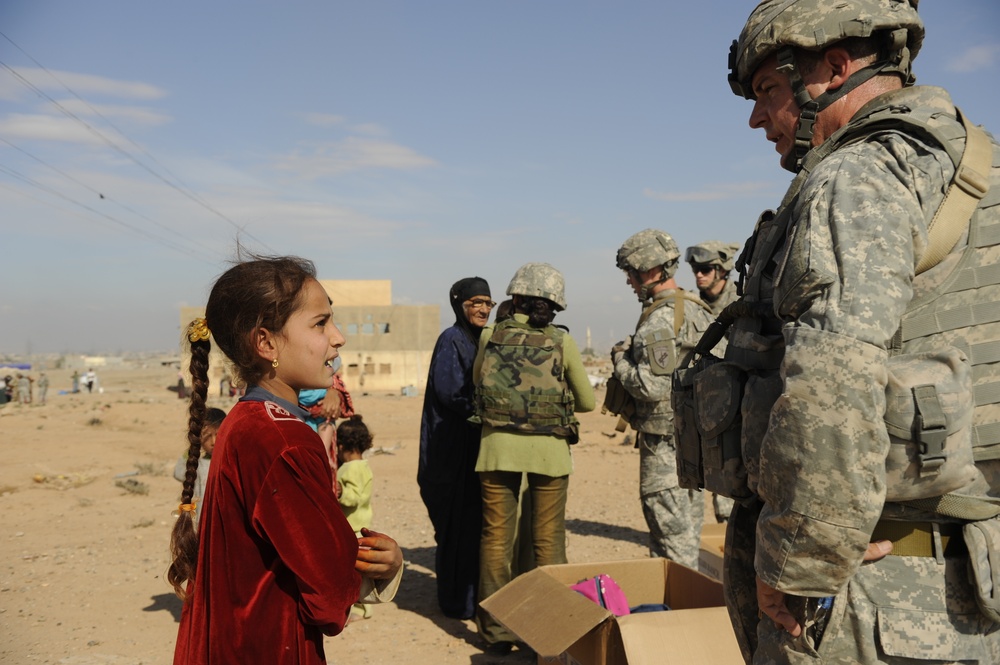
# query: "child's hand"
{"type": "Point", "coordinates": [331, 405]}
{"type": "Point", "coordinates": [379, 556]}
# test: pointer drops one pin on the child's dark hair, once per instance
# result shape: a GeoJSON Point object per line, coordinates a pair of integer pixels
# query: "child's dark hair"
{"type": "Point", "coordinates": [353, 435]}
{"type": "Point", "coordinates": [540, 311]}
{"type": "Point", "coordinates": [259, 293]}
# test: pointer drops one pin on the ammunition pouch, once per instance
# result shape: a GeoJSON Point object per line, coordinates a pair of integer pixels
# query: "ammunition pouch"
{"type": "Point", "coordinates": [718, 400]}
{"type": "Point", "coordinates": [982, 539]}
{"type": "Point", "coordinates": [929, 404]}
{"type": "Point", "coordinates": [707, 401]}
{"type": "Point", "coordinates": [617, 400]}
{"type": "Point", "coordinates": [690, 473]}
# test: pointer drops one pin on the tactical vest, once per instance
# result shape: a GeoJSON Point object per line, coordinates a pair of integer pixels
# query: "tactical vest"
{"type": "Point", "coordinates": [960, 311]}
{"type": "Point", "coordinates": [658, 417]}
{"type": "Point", "coordinates": [522, 386]}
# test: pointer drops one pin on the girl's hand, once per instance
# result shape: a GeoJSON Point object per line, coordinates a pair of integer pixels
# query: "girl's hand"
{"type": "Point", "coordinates": [379, 556]}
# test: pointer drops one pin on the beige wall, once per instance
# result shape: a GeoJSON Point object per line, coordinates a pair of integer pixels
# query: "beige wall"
{"type": "Point", "coordinates": [358, 292]}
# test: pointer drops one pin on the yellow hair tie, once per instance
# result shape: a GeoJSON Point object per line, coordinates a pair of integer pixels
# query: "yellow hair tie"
{"type": "Point", "coordinates": [185, 508]}
{"type": "Point", "coordinates": [198, 331]}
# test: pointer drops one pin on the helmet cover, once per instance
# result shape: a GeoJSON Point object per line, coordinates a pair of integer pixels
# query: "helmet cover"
{"type": "Point", "coordinates": [540, 280]}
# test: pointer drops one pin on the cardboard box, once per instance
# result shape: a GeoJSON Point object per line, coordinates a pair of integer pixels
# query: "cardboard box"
{"type": "Point", "coordinates": [559, 623]}
{"type": "Point", "coordinates": [713, 547]}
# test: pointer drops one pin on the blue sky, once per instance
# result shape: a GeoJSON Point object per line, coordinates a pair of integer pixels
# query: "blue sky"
{"type": "Point", "coordinates": [419, 142]}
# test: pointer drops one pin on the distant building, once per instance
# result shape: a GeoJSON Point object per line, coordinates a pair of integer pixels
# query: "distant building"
{"type": "Point", "coordinates": [388, 346]}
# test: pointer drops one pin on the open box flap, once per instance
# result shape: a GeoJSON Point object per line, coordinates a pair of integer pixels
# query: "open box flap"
{"type": "Point", "coordinates": [544, 612]}
{"type": "Point", "coordinates": [680, 637]}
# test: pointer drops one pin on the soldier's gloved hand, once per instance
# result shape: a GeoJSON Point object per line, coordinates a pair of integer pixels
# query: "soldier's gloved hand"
{"type": "Point", "coordinates": [619, 350]}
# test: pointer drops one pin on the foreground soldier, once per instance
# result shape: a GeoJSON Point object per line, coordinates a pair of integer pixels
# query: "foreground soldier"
{"type": "Point", "coordinates": [711, 262]}
{"type": "Point", "coordinates": [844, 281]}
{"type": "Point", "coordinates": [672, 321]}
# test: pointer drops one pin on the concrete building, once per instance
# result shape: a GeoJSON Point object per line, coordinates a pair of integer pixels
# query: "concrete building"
{"type": "Point", "coordinates": [388, 346]}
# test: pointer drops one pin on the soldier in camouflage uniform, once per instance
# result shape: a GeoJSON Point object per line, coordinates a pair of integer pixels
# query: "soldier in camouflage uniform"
{"type": "Point", "coordinates": [821, 564]}
{"type": "Point", "coordinates": [672, 321]}
{"type": "Point", "coordinates": [711, 262]}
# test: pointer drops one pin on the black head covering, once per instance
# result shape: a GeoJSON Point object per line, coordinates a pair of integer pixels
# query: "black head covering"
{"type": "Point", "coordinates": [461, 291]}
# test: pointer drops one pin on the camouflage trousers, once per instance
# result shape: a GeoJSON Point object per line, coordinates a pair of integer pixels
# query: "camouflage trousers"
{"type": "Point", "coordinates": [673, 515]}
{"type": "Point", "coordinates": [900, 609]}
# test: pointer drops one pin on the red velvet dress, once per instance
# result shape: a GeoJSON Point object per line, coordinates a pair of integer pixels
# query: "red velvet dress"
{"type": "Point", "coordinates": [276, 556]}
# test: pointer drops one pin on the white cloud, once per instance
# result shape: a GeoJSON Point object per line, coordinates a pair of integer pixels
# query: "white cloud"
{"type": "Point", "coordinates": [136, 114]}
{"type": "Point", "coordinates": [46, 128]}
{"type": "Point", "coordinates": [305, 219]}
{"type": "Point", "coordinates": [88, 84]}
{"type": "Point", "coordinates": [714, 193]}
{"type": "Point", "coordinates": [975, 58]}
{"type": "Point", "coordinates": [352, 154]}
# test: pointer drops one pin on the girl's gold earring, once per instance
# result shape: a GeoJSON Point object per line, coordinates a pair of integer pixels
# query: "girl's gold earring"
{"type": "Point", "coordinates": [274, 363]}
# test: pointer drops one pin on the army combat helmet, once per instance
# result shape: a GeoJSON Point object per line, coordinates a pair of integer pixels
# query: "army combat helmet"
{"type": "Point", "coordinates": [713, 253]}
{"type": "Point", "coordinates": [540, 280]}
{"type": "Point", "coordinates": [648, 249]}
{"type": "Point", "coordinates": [780, 26]}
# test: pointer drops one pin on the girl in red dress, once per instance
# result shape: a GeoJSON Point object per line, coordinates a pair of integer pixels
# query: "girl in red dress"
{"type": "Point", "coordinates": [274, 564]}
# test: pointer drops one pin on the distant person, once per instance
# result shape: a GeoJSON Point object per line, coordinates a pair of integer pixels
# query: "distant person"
{"type": "Point", "coordinates": [76, 381]}
{"type": "Point", "coordinates": [3, 389]}
{"type": "Point", "coordinates": [530, 382]}
{"type": "Point", "coordinates": [274, 565]}
{"type": "Point", "coordinates": [449, 446]}
{"type": "Point", "coordinates": [23, 389]}
{"type": "Point", "coordinates": [90, 379]}
{"type": "Point", "coordinates": [181, 388]}
{"type": "Point", "coordinates": [711, 262]}
{"type": "Point", "coordinates": [43, 387]}
{"type": "Point", "coordinates": [209, 430]}
{"type": "Point", "coordinates": [354, 480]}
{"type": "Point", "coordinates": [671, 323]}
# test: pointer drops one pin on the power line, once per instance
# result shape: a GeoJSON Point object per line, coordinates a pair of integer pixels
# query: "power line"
{"type": "Point", "coordinates": [111, 144]}
{"type": "Point", "coordinates": [161, 241]}
{"type": "Point", "coordinates": [98, 193]}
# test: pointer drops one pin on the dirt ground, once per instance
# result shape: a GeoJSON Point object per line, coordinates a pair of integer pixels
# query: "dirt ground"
{"type": "Point", "coordinates": [86, 494]}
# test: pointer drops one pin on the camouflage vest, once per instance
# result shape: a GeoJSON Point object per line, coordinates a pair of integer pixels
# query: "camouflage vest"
{"type": "Point", "coordinates": [522, 386]}
{"type": "Point", "coordinates": [962, 311]}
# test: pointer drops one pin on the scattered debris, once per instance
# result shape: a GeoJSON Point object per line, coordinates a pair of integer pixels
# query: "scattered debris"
{"type": "Point", "coordinates": [133, 486]}
{"type": "Point", "coordinates": [62, 481]}
{"type": "Point", "coordinates": [149, 469]}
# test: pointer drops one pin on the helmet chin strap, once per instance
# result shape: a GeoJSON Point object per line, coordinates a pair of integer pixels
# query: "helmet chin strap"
{"type": "Point", "coordinates": [645, 291]}
{"type": "Point", "coordinates": [809, 108]}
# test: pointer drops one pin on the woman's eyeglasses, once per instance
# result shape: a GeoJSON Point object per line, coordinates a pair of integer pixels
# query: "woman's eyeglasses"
{"type": "Point", "coordinates": [480, 304]}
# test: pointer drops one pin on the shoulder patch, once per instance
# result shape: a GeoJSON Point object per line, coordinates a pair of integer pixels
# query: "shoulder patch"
{"type": "Point", "coordinates": [662, 354]}
{"type": "Point", "coordinates": [278, 412]}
